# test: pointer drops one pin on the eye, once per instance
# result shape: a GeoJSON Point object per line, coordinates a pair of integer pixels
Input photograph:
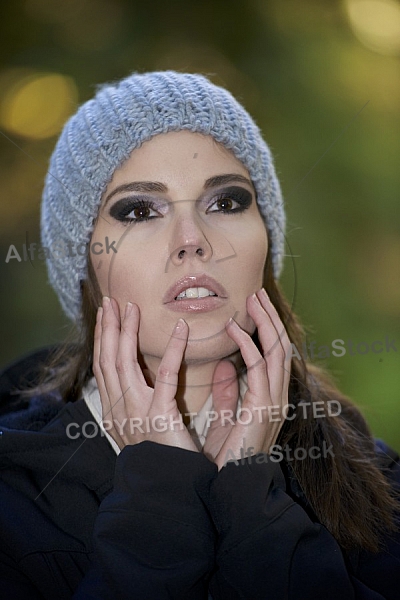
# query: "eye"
{"type": "Point", "coordinates": [133, 210]}
{"type": "Point", "coordinates": [223, 204]}
{"type": "Point", "coordinates": [233, 200]}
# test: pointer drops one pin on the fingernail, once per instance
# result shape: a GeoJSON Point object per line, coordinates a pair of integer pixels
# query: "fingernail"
{"type": "Point", "coordinates": [179, 326]}
{"type": "Point", "coordinates": [232, 322]}
{"type": "Point", "coordinates": [264, 293]}
{"type": "Point", "coordinates": [99, 314]}
{"type": "Point", "coordinates": [106, 302]}
{"type": "Point", "coordinates": [255, 298]}
{"type": "Point", "coordinates": [128, 309]}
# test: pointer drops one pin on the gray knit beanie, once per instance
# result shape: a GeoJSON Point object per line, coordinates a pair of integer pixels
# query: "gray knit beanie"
{"type": "Point", "coordinates": [102, 135]}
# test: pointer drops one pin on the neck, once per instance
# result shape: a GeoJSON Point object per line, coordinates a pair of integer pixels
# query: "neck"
{"type": "Point", "coordinates": [194, 382]}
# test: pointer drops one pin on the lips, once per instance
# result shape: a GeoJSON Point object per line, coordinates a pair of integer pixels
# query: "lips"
{"type": "Point", "coordinates": [188, 281]}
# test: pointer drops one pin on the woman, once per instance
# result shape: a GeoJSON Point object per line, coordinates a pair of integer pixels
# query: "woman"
{"type": "Point", "coordinates": [220, 469]}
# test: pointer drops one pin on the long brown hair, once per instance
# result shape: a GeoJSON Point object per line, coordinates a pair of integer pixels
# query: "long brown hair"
{"type": "Point", "coordinates": [348, 492]}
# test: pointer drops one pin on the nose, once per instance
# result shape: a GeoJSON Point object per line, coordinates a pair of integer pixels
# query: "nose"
{"type": "Point", "coordinates": [189, 242]}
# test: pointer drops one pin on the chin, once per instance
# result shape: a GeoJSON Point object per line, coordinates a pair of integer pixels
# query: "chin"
{"type": "Point", "coordinates": [207, 333]}
{"type": "Point", "coordinates": [213, 348]}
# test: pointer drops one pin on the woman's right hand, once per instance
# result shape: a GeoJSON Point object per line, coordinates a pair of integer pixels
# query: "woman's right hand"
{"type": "Point", "coordinates": [134, 412]}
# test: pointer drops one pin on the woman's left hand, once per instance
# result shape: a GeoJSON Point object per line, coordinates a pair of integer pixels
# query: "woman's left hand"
{"type": "Point", "coordinates": [268, 377]}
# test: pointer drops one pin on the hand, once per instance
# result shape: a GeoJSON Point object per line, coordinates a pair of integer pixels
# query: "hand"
{"type": "Point", "coordinates": [268, 379]}
{"type": "Point", "coordinates": [126, 399]}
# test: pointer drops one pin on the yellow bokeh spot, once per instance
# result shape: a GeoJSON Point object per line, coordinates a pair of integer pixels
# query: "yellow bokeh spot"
{"type": "Point", "coordinates": [37, 106]}
{"type": "Point", "coordinates": [376, 23]}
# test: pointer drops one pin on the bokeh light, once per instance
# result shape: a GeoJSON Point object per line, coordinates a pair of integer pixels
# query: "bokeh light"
{"type": "Point", "coordinates": [376, 23]}
{"type": "Point", "coordinates": [37, 105]}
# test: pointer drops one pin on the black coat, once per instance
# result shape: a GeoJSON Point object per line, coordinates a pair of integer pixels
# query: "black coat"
{"type": "Point", "coordinates": [159, 522]}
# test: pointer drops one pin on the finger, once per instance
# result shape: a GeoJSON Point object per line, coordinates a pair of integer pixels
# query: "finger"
{"type": "Point", "coordinates": [108, 353]}
{"type": "Point", "coordinates": [257, 377]}
{"type": "Point", "coordinates": [225, 393]}
{"type": "Point", "coordinates": [105, 401]}
{"type": "Point", "coordinates": [272, 349]}
{"type": "Point", "coordinates": [281, 333]}
{"type": "Point", "coordinates": [276, 320]}
{"type": "Point", "coordinates": [106, 414]}
{"type": "Point", "coordinates": [167, 375]}
{"type": "Point", "coordinates": [127, 365]}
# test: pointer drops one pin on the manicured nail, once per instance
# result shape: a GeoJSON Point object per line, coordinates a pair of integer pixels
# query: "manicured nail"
{"type": "Point", "coordinates": [106, 303]}
{"type": "Point", "coordinates": [232, 322]}
{"type": "Point", "coordinates": [179, 326]}
{"type": "Point", "coordinates": [255, 298]}
{"type": "Point", "coordinates": [128, 309]}
{"type": "Point", "coordinates": [99, 314]}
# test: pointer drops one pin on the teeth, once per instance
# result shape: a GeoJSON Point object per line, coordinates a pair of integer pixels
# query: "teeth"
{"type": "Point", "coordinates": [195, 292]}
{"type": "Point", "coordinates": [203, 292]}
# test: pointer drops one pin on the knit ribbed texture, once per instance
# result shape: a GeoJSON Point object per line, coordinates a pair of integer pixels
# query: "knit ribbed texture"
{"type": "Point", "coordinates": [102, 135]}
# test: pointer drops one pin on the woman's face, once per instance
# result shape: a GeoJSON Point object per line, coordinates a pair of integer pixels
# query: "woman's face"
{"type": "Point", "coordinates": [182, 213]}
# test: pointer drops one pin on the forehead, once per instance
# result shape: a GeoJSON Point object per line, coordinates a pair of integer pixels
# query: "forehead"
{"type": "Point", "coordinates": [178, 157]}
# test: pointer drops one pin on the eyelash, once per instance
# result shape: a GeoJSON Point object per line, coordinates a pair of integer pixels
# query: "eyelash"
{"type": "Point", "coordinates": [121, 209]}
{"type": "Point", "coordinates": [120, 212]}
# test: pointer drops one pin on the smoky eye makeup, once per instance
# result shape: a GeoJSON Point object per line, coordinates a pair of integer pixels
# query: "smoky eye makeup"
{"type": "Point", "coordinates": [134, 209]}
{"type": "Point", "coordinates": [230, 200]}
{"type": "Point", "coordinates": [139, 209]}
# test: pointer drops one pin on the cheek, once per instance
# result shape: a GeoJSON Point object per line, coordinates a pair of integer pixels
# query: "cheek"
{"type": "Point", "coordinates": [112, 265]}
{"type": "Point", "coordinates": [129, 276]}
{"type": "Point", "coordinates": [100, 261]}
{"type": "Point", "coordinates": [252, 257]}
{"type": "Point", "coordinates": [250, 275]}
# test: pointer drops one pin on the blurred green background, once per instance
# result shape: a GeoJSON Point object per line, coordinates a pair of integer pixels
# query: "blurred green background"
{"type": "Point", "coordinates": [321, 78]}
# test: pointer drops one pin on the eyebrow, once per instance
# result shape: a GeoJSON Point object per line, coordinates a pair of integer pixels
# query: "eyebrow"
{"type": "Point", "coordinates": [157, 186]}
